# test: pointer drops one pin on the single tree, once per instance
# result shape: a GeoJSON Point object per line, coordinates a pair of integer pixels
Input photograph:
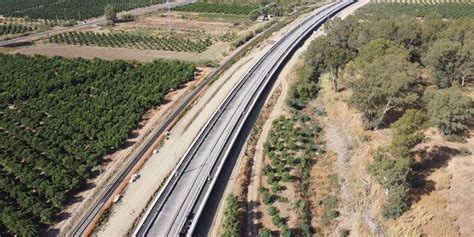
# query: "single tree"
{"type": "Point", "coordinates": [264, 232]}
{"type": "Point", "coordinates": [389, 83]}
{"type": "Point", "coordinates": [335, 58]}
{"type": "Point", "coordinates": [449, 110]}
{"type": "Point", "coordinates": [445, 59]}
{"type": "Point", "coordinates": [110, 13]}
{"type": "Point", "coordinates": [407, 132]}
{"type": "Point", "coordinates": [372, 51]}
{"type": "Point", "coordinates": [466, 68]}
{"type": "Point", "coordinates": [325, 56]}
{"type": "Point", "coordinates": [392, 174]}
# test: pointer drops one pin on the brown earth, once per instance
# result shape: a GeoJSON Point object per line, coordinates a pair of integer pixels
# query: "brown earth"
{"type": "Point", "coordinates": [215, 52]}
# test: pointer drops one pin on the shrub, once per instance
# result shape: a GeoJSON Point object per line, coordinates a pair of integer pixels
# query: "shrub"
{"type": "Point", "coordinates": [449, 110]}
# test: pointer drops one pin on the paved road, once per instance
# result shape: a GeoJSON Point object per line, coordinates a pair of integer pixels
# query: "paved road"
{"type": "Point", "coordinates": [177, 207]}
{"type": "Point", "coordinates": [90, 23]}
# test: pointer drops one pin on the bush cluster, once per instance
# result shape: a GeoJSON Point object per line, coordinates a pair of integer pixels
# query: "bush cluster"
{"type": "Point", "coordinates": [129, 40]}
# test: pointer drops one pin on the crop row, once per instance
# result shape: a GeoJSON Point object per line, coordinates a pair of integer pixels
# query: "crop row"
{"type": "Point", "coordinates": [239, 9]}
{"type": "Point", "coordinates": [66, 9]}
{"type": "Point", "coordinates": [446, 10]}
{"type": "Point", "coordinates": [128, 40]}
{"type": "Point", "coordinates": [10, 28]}
{"type": "Point", "coordinates": [59, 117]}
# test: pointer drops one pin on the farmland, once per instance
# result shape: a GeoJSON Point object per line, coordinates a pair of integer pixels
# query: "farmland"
{"type": "Point", "coordinates": [59, 117]}
{"type": "Point", "coordinates": [128, 40]}
{"type": "Point", "coordinates": [179, 35]}
{"type": "Point", "coordinates": [68, 9]}
{"type": "Point", "coordinates": [239, 9]}
{"type": "Point", "coordinates": [446, 10]}
{"type": "Point", "coordinates": [10, 28]}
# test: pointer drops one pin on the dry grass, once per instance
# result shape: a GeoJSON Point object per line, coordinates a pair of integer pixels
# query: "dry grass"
{"type": "Point", "coordinates": [361, 201]}
{"type": "Point", "coordinates": [442, 205]}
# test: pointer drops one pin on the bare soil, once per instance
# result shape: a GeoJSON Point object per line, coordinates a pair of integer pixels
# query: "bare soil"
{"type": "Point", "coordinates": [215, 52]}
{"type": "Point", "coordinates": [442, 202]}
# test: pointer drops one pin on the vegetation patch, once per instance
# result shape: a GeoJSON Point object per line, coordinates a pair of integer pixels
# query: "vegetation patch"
{"type": "Point", "coordinates": [291, 148]}
{"type": "Point", "coordinates": [399, 69]}
{"type": "Point", "coordinates": [59, 117]}
{"type": "Point", "coordinates": [225, 8]}
{"type": "Point", "coordinates": [232, 215]}
{"type": "Point", "coordinates": [129, 40]}
{"type": "Point", "coordinates": [10, 28]}
{"type": "Point", "coordinates": [67, 9]}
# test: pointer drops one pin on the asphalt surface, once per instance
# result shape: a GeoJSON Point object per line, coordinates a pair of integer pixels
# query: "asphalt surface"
{"type": "Point", "coordinates": [179, 204]}
{"type": "Point", "coordinates": [89, 23]}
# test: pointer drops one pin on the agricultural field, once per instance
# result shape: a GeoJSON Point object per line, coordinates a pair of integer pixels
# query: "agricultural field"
{"type": "Point", "coordinates": [238, 9]}
{"type": "Point", "coordinates": [59, 117]}
{"type": "Point", "coordinates": [174, 35]}
{"type": "Point", "coordinates": [127, 40]}
{"type": "Point", "coordinates": [446, 10]}
{"type": "Point", "coordinates": [68, 9]}
{"type": "Point", "coordinates": [7, 29]}
{"type": "Point", "coordinates": [14, 27]}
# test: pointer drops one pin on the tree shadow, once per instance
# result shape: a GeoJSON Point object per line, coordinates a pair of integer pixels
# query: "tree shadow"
{"type": "Point", "coordinates": [127, 144]}
{"type": "Point", "coordinates": [48, 232]}
{"type": "Point", "coordinates": [429, 162]}
{"type": "Point", "coordinates": [470, 127]}
{"type": "Point", "coordinates": [252, 212]}
{"type": "Point", "coordinates": [390, 117]}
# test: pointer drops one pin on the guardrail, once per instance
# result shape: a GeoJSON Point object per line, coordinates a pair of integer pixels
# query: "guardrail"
{"type": "Point", "coordinates": [162, 197]}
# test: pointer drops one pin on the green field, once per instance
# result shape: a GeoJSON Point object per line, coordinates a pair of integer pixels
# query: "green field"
{"type": "Point", "coordinates": [59, 117]}
{"type": "Point", "coordinates": [129, 40]}
{"type": "Point", "coordinates": [66, 9]}
{"type": "Point", "coordinates": [238, 9]}
{"type": "Point", "coordinates": [11, 28]}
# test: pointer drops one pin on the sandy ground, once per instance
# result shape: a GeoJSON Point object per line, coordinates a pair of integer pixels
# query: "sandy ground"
{"type": "Point", "coordinates": [444, 203]}
{"type": "Point", "coordinates": [214, 52]}
{"type": "Point", "coordinates": [113, 161]}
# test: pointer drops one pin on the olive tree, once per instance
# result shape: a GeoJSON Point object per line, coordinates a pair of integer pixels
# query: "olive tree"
{"type": "Point", "coordinates": [110, 13]}
{"type": "Point", "coordinates": [389, 83]}
{"type": "Point", "coordinates": [449, 110]}
{"type": "Point", "coordinates": [449, 61]}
